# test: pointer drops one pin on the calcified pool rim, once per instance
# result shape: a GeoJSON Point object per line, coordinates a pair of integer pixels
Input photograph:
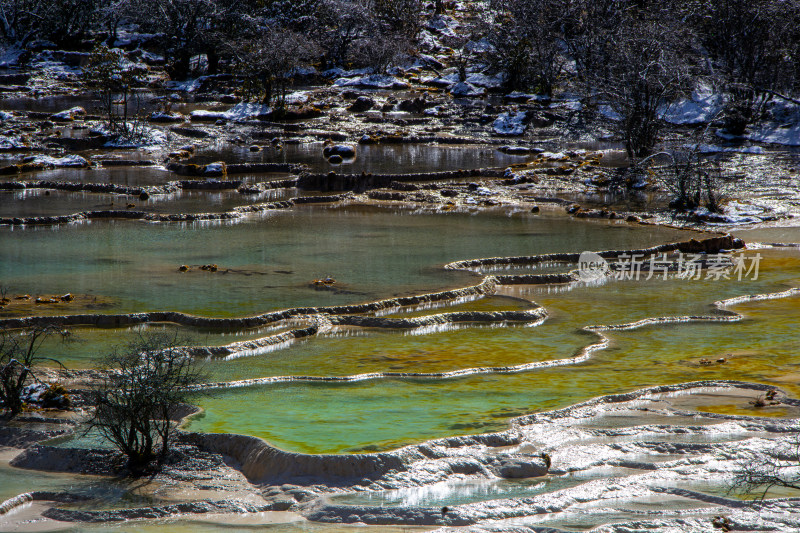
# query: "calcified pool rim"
{"type": "Point", "coordinates": [659, 473]}
{"type": "Point", "coordinates": [416, 465]}
{"type": "Point", "coordinates": [321, 319]}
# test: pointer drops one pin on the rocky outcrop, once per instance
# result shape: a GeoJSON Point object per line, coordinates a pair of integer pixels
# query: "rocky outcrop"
{"type": "Point", "coordinates": [714, 244]}
{"type": "Point", "coordinates": [74, 460]}
{"type": "Point", "coordinates": [532, 315]}
{"type": "Point", "coordinates": [257, 168]}
{"type": "Point", "coordinates": [363, 182]}
{"type": "Point", "coordinates": [21, 437]}
{"type": "Point", "coordinates": [164, 511]}
{"type": "Point", "coordinates": [106, 188]}
{"type": "Point", "coordinates": [515, 467]}
{"type": "Point", "coordinates": [361, 104]}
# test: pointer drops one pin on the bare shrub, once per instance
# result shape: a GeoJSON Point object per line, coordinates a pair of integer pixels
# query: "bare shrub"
{"type": "Point", "coordinates": [145, 381]}
{"type": "Point", "coordinates": [19, 354]}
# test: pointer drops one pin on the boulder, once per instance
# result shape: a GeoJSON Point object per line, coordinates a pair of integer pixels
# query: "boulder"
{"type": "Point", "coordinates": [344, 151]}
{"type": "Point", "coordinates": [68, 115]}
{"type": "Point", "coordinates": [362, 103]}
{"type": "Point", "coordinates": [521, 467]}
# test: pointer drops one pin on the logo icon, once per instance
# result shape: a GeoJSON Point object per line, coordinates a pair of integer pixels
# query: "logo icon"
{"type": "Point", "coordinates": [592, 267]}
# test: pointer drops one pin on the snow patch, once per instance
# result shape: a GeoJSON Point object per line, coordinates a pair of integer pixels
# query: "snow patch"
{"type": "Point", "coordinates": [69, 161]}
{"type": "Point", "coordinates": [467, 89]}
{"type": "Point", "coordinates": [510, 123]}
{"type": "Point", "coordinates": [241, 111]}
{"type": "Point", "coordinates": [69, 115]}
{"type": "Point", "coordinates": [373, 81]}
{"type": "Point", "coordinates": [715, 149]}
{"type": "Point", "coordinates": [701, 107]}
{"type": "Point", "coordinates": [773, 133]}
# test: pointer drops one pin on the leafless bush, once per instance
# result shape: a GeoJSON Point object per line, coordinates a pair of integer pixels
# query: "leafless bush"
{"type": "Point", "coordinates": [528, 42]}
{"type": "Point", "coordinates": [19, 354]}
{"type": "Point", "coordinates": [649, 70]}
{"type": "Point", "coordinates": [400, 16]}
{"type": "Point", "coordinates": [691, 179]}
{"type": "Point", "coordinates": [379, 52]}
{"type": "Point", "coordinates": [778, 466]}
{"type": "Point", "coordinates": [754, 47]}
{"type": "Point", "coordinates": [114, 78]}
{"type": "Point", "coordinates": [145, 381]}
{"type": "Point", "coordinates": [269, 62]}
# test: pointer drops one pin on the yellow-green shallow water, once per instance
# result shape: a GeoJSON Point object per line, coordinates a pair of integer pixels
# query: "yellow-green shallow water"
{"type": "Point", "coordinates": [377, 253]}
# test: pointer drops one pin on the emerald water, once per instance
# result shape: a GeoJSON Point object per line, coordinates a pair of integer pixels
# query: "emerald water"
{"type": "Point", "coordinates": [267, 262]}
{"type": "Point", "coordinates": [377, 253]}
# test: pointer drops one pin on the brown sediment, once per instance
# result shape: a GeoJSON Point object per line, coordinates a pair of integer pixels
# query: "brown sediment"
{"type": "Point", "coordinates": [19, 304]}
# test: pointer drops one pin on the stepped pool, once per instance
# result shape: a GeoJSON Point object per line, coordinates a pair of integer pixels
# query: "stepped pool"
{"type": "Point", "coordinates": [267, 263]}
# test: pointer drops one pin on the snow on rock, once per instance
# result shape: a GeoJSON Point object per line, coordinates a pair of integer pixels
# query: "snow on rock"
{"type": "Point", "coordinates": [373, 81]}
{"type": "Point", "coordinates": [714, 149]}
{"type": "Point", "coordinates": [68, 115]}
{"type": "Point", "coordinates": [775, 133]}
{"type": "Point", "coordinates": [467, 89]}
{"type": "Point", "coordinates": [342, 73]}
{"type": "Point", "coordinates": [241, 111]}
{"type": "Point", "coordinates": [296, 98]}
{"type": "Point", "coordinates": [10, 57]}
{"type": "Point", "coordinates": [554, 156]}
{"type": "Point", "coordinates": [160, 116]}
{"type": "Point", "coordinates": [5, 116]}
{"type": "Point", "coordinates": [443, 25]}
{"type": "Point", "coordinates": [33, 393]}
{"type": "Point", "coordinates": [140, 137]}
{"type": "Point", "coordinates": [215, 169]}
{"type": "Point", "coordinates": [609, 112]}
{"type": "Point", "coordinates": [701, 107]}
{"type": "Point", "coordinates": [10, 143]}
{"type": "Point", "coordinates": [510, 123]}
{"type": "Point", "coordinates": [347, 151]}
{"type": "Point", "coordinates": [482, 80]}
{"type": "Point", "coordinates": [477, 79]}
{"type": "Point", "coordinates": [518, 150]}
{"type": "Point", "coordinates": [518, 96]}
{"type": "Point", "coordinates": [69, 161]}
